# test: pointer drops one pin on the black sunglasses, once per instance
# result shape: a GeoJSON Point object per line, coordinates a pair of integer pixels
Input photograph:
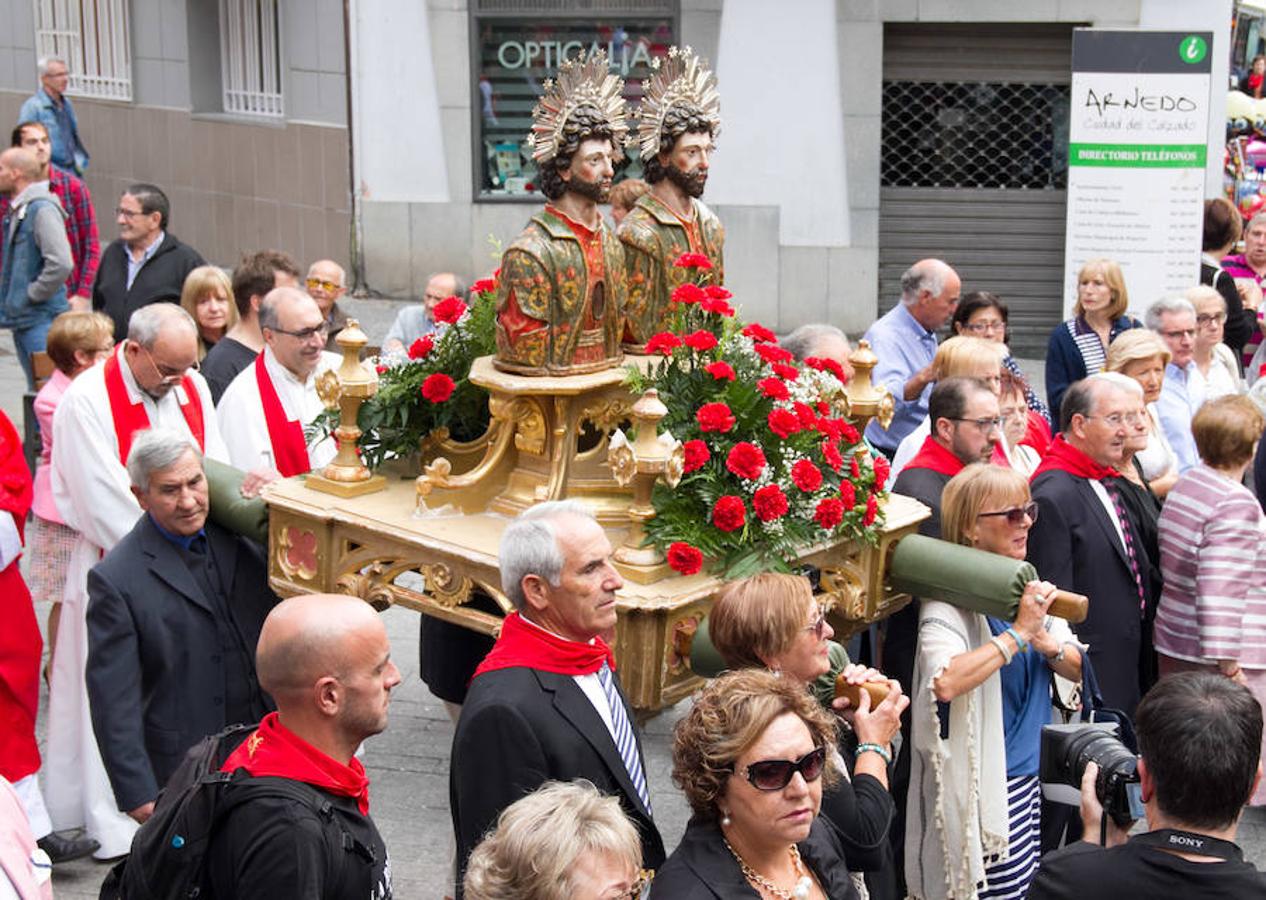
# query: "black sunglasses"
{"type": "Point", "coordinates": [1015, 515]}
{"type": "Point", "coordinates": [775, 774]}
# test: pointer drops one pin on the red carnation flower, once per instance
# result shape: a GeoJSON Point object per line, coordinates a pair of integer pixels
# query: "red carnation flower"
{"type": "Point", "coordinates": [684, 558]}
{"type": "Point", "coordinates": [848, 494]}
{"type": "Point", "coordinates": [716, 292]}
{"type": "Point", "coordinates": [804, 412]}
{"type": "Point", "coordinates": [770, 503]}
{"type": "Point", "coordinates": [438, 387]}
{"type": "Point", "coordinates": [422, 347]}
{"type": "Point", "coordinates": [729, 513]}
{"type": "Point", "coordinates": [853, 468]}
{"type": "Point", "coordinates": [831, 454]}
{"type": "Point", "coordinates": [381, 368]}
{"type": "Point", "coordinates": [882, 468]}
{"type": "Point", "coordinates": [694, 453]}
{"type": "Point", "coordinates": [786, 372]}
{"type": "Point", "coordinates": [665, 342]}
{"type": "Point", "coordinates": [822, 363]}
{"type": "Point", "coordinates": [721, 371]}
{"type": "Point", "coordinates": [719, 307]}
{"type": "Point", "coordinates": [806, 476]}
{"type": "Point", "coordinates": [449, 310]}
{"type": "Point", "coordinates": [772, 353]}
{"type": "Point", "coordinates": [783, 422]}
{"type": "Point", "coordinates": [746, 460]}
{"type": "Point", "coordinates": [824, 408]}
{"type": "Point", "coordinates": [830, 428]}
{"type": "Point", "coordinates": [714, 417]}
{"type": "Point", "coordinates": [701, 341]}
{"type": "Point", "coordinates": [688, 293]}
{"type": "Point", "coordinates": [693, 261]}
{"type": "Point", "coordinates": [829, 513]}
{"type": "Point", "coordinates": [850, 434]}
{"type": "Point", "coordinates": [872, 510]}
{"type": "Point", "coordinates": [774, 388]}
{"type": "Point", "coordinates": [759, 333]}
{"type": "Point", "coordinates": [484, 286]}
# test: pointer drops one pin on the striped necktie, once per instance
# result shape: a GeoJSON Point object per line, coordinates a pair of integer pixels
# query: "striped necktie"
{"type": "Point", "coordinates": [623, 734]}
{"type": "Point", "coordinates": [1114, 491]}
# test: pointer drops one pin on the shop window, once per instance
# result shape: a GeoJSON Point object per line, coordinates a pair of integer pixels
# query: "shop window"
{"type": "Point", "coordinates": [92, 37]}
{"type": "Point", "coordinates": [512, 57]}
{"type": "Point", "coordinates": [250, 57]}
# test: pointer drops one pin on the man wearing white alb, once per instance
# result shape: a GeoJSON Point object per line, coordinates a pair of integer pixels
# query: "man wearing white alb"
{"type": "Point", "coordinates": [264, 411]}
{"type": "Point", "coordinates": [150, 381]}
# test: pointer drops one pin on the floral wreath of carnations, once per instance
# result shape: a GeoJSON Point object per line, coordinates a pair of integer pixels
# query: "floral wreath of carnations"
{"type": "Point", "coordinates": [771, 467]}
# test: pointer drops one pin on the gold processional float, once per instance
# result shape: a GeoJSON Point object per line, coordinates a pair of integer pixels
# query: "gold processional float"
{"type": "Point", "coordinates": [430, 543]}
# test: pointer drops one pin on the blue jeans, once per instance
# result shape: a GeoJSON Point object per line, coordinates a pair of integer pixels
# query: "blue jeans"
{"type": "Point", "coordinates": [28, 341]}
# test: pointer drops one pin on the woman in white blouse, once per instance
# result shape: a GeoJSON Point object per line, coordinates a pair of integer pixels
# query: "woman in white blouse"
{"type": "Point", "coordinates": [1140, 354]}
{"type": "Point", "coordinates": [1214, 359]}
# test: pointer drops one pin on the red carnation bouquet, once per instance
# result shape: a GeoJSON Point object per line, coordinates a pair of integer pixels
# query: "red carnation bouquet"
{"type": "Point", "coordinates": [428, 387]}
{"type": "Point", "coordinates": [771, 466]}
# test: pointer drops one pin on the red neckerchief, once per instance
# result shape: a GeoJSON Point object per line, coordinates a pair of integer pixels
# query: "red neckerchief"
{"type": "Point", "coordinates": [529, 646]}
{"type": "Point", "coordinates": [129, 417]}
{"type": "Point", "coordinates": [1038, 433]}
{"type": "Point", "coordinates": [272, 749]}
{"type": "Point", "coordinates": [290, 450]}
{"type": "Point", "coordinates": [1064, 457]}
{"type": "Point", "coordinates": [937, 458]}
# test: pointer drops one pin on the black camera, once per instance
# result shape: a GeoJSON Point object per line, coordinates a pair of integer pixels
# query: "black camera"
{"type": "Point", "coordinates": [1065, 751]}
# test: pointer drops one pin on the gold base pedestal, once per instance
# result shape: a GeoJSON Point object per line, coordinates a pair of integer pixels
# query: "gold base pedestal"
{"type": "Point", "coordinates": [345, 488]}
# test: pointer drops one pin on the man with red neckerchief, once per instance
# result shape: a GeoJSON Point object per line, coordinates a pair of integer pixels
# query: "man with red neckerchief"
{"type": "Point", "coordinates": [326, 660]}
{"type": "Point", "coordinates": [546, 703]}
{"type": "Point", "coordinates": [150, 381]}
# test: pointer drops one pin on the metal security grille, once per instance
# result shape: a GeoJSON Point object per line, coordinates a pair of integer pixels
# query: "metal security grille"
{"type": "Point", "coordinates": [250, 57]}
{"type": "Point", "coordinates": [92, 37]}
{"type": "Point", "coordinates": [974, 135]}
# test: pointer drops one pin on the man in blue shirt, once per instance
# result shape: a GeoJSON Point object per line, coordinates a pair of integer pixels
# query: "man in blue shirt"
{"type": "Point", "coordinates": [1183, 391]}
{"type": "Point", "coordinates": [52, 108]}
{"type": "Point", "coordinates": [415, 320]}
{"type": "Point", "coordinates": [905, 341]}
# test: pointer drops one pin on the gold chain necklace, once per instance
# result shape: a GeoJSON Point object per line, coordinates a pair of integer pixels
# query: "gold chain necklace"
{"type": "Point", "coordinates": [804, 884]}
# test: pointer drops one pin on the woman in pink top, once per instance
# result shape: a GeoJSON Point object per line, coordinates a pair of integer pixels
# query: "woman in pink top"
{"type": "Point", "coordinates": [76, 342]}
{"type": "Point", "coordinates": [1212, 614]}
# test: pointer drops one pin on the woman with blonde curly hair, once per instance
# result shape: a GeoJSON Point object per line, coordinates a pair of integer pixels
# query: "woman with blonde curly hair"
{"type": "Point", "coordinates": [563, 841]}
{"type": "Point", "coordinates": [1143, 356]}
{"type": "Point", "coordinates": [753, 756]}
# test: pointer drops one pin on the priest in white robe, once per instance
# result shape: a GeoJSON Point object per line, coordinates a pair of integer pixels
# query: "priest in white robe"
{"type": "Point", "coordinates": [149, 381]}
{"type": "Point", "coordinates": [265, 409]}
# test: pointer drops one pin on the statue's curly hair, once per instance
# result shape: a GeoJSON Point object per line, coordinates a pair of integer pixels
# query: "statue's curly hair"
{"type": "Point", "coordinates": [585, 124]}
{"type": "Point", "coordinates": [677, 121]}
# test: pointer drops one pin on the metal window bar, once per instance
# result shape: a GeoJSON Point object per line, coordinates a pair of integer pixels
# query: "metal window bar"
{"type": "Point", "coordinates": [250, 58]}
{"type": "Point", "coordinates": [92, 36]}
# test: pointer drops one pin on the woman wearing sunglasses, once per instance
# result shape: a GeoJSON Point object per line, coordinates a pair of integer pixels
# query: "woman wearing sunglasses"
{"type": "Point", "coordinates": [972, 822]}
{"type": "Point", "coordinates": [772, 621]}
{"type": "Point", "coordinates": [752, 757]}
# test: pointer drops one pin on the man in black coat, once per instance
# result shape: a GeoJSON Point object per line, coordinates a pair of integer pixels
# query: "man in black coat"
{"type": "Point", "coordinates": [146, 264]}
{"type": "Point", "coordinates": [174, 613]}
{"type": "Point", "coordinates": [545, 703]}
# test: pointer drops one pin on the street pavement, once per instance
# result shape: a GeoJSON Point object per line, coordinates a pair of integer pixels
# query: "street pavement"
{"type": "Point", "coordinates": [408, 764]}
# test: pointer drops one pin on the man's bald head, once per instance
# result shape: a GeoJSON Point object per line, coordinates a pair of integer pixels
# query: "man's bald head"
{"type": "Point", "coordinates": [307, 638]}
{"type": "Point", "coordinates": [21, 162]}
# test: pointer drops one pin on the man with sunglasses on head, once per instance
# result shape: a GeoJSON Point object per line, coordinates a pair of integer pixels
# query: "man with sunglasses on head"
{"type": "Point", "coordinates": [264, 410]}
{"type": "Point", "coordinates": [150, 381]}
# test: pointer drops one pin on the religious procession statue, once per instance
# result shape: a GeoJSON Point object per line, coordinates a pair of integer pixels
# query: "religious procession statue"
{"type": "Point", "coordinates": [678, 122]}
{"type": "Point", "coordinates": [562, 289]}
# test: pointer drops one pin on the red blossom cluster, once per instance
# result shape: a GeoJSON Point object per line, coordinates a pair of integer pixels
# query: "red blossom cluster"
{"type": "Point", "coordinates": [438, 387]}
{"type": "Point", "coordinates": [449, 310]}
{"type": "Point", "coordinates": [693, 261]}
{"type": "Point", "coordinates": [422, 347]}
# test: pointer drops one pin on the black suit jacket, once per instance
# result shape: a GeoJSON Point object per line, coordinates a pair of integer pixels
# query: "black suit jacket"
{"type": "Point", "coordinates": [1074, 545]}
{"type": "Point", "coordinates": [156, 673]}
{"type": "Point", "coordinates": [520, 728]}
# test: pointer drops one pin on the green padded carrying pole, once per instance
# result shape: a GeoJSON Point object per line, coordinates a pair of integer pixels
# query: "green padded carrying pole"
{"type": "Point", "coordinates": [229, 509]}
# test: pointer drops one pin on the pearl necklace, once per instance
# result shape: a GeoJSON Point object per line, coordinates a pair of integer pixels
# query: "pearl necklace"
{"type": "Point", "coordinates": [804, 884]}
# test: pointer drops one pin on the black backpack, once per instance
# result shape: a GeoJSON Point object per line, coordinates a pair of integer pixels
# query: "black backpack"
{"type": "Point", "coordinates": [168, 853]}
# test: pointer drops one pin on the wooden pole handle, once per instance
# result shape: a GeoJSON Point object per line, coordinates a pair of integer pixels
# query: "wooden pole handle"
{"type": "Point", "coordinates": [1070, 606]}
{"type": "Point", "coordinates": [878, 691]}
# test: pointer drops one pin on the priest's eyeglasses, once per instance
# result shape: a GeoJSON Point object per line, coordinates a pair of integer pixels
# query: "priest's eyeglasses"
{"type": "Point", "coordinates": [166, 373]}
{"type": "Point", "coordinates": [776, 774]}
{"type": "Point", "coordinates": [1015, 515]}
{"type": "Point", "coordinates": [305, 334]}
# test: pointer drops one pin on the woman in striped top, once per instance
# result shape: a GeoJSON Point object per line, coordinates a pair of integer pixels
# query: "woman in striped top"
{"type": "Point", "coordinates": [1212, 613]}
{"type": "Point", "coordinates": [1078, 346]}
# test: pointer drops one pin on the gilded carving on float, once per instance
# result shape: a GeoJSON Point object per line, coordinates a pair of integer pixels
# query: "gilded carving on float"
{"type": "Point", "coordinates": [297, 553]}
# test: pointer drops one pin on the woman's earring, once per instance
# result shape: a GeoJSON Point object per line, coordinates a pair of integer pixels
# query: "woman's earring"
{"type": "Point", "coordinates": [725, 819]}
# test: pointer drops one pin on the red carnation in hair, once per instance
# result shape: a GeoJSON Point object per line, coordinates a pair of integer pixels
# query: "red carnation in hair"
{"type": "Point", "coordinates": [774, 388]}
{"type": "Point", "coordinates": [746, 460]}
{"type": "Point", "coordinates": [421, 348]}
{"type": "Point", "coordinates": [729, 513]}
{"type": "Point", "coordinates": [720, 370]}
{"type": "Point", "coordinates": [806, 476]}
{"type": "Point", "coordinates": [684, 558]}
{"type": "Point", "coordinates": [848, 494]}
{"type": "Point", "coordinates": [687, 293]}
{"type": "Point", "coordinates": [694, 454]}
{"type": "Point", "coordinates": [830, 512]}
{"type": "Point", "coordinates": [783, 422]}
{"type": "Point", "coordinates": [770, 503]}
{"type": "Point", "coordinates": [693, 261]}
{"type": "Point", "coordinates": [665, 342]}
{"type": "Point", "coordinates": [438, 387]}
{"type": "Point", "coordinates": [714, 417]}
{"type": "Point", "coordinates": [701, 341]}
{"type": "Point", "coordinates": [759, 333]}
{"type": "Point", "coordinates": [449, 310]}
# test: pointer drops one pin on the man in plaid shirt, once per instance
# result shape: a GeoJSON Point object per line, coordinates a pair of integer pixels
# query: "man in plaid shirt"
{"type": "Point", "coordinates": [81, 221]}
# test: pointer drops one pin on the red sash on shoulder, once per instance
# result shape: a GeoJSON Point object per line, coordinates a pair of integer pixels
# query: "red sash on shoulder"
{"type": "Point", "coordinates": [129, 417]}
{"type": "Point", "coordinates": [290, 450]}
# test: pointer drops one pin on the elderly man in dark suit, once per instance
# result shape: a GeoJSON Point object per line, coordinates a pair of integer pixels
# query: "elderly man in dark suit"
{"type": "Point", "coordinates": [546, 702]}
{"type": "Point", "coordinates": [174, 614]}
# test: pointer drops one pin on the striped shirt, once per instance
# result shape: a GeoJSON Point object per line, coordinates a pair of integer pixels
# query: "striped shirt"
{"type": "Point", "coordinates": [1213, 549]}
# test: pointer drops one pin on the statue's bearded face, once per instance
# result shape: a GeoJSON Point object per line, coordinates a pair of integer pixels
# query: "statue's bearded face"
{"type": "Point", "coordinates": [687, 164]}
{"type": "Point", "coordinates": [591, 170]}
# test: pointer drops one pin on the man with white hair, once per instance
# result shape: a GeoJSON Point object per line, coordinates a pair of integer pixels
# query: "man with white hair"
{"type": "Point", "coordinates": [546, 703]}
{"type": "Point", "coordinates": [904, 339]}
{"type": "Point", "coordinates": [150, 381]}
{"type": "Point", "coordinates": [50, 106]}
{"type": "Point", "coordinates": [265, 408]}
{"type": "Point", "coordinates": [326, 283]}
{"type": "Point", "coordinates": [174, 613]}
{"type": "Point", "coordinates": [1183, 391]}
